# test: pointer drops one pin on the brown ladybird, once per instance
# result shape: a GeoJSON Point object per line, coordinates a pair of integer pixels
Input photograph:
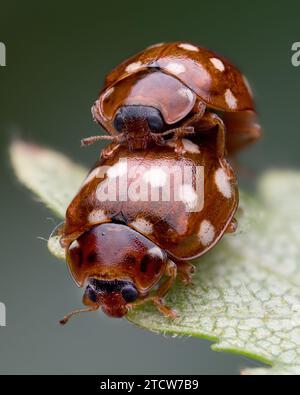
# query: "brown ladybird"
{"type": "Point", "coordinates": [138, 219]}
{"type": "Point", "coordinates": [175, 89]}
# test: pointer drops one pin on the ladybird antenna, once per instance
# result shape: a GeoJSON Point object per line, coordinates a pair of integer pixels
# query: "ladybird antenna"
{"type": "Point", "coordinates": [77, 312]}
{"type": "Point", "coordinates": [182, 130]}
{"type": "Point", "coordinates": [93, 139]}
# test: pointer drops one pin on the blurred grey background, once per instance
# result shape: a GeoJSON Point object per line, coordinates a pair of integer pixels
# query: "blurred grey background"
{"type": "Point", "coordinates": [57, 56]}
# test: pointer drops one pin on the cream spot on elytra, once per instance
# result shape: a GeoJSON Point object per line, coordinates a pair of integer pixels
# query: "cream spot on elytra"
{"type": "Point", "coordinates": [156, 251]}
{"type": "Point", "coordinates": [223, 183]}
{"type": "Point", "coordinates": [156, 177]}
{"type": "Point", "coordinates": [188, 195]}
{"type": "Point", "coordinates": [97, 216]}
{"type": "Point", "coordinates": [175, 68]}
{"type": "Point", "coordinates": [188, 146]}
{"type": "Point", "coordinates": [219, 65]}
{"type": "Point", "coordinates": [142, 225]}
{"type": "Point", "coordinates": [230, 99]}
{"type": "Point", "coordinates": [117, 170]}
{"type": "Point", "coordinates": [188, 47]}
{"type": "Point", "coordinates": [206, 232]}
{"type": "Point", "coordinates": [132, 67]}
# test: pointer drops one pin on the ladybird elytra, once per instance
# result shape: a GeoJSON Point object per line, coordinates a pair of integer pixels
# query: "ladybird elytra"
{"type": "Point", "coordinates": [175, 89]}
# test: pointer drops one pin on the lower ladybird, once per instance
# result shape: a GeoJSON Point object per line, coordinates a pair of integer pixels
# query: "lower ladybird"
{"type": "Point", "coordinates": [140, 217]}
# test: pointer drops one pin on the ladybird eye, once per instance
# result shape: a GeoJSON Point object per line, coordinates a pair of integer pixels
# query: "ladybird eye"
{"type": "Point", "coordinates": [118, 122]}
{"type": "Point", "coordinates": [155, 122]}
{"type": "Point", "coordinates": [129, 293]}
{"type": "Point", "coordinates": [90, 293]}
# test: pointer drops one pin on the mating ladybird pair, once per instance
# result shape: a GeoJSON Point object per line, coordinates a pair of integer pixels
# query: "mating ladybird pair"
{"type": "Point", "coordinates": [173, 106]}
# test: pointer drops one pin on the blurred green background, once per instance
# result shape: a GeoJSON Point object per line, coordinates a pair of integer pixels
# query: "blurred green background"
{"type": "Point", "coordinates": [57, 56]}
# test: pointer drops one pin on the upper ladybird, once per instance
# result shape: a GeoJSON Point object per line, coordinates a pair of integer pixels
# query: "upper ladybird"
{"type": "Point", "coordinates": [175, 89]}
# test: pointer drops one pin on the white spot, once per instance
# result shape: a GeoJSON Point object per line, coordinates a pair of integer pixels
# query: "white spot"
{"type": "Point", "coordinates": [230, 99]}
{"type": "Point", "coordinates": [175, 68]}
{"type": "Point", "coordinates": [188, 47]}
{"type": "Point", "coordinates": [93, 174]}
{"type": "Point", "coordinates": [188, 195]}
{"type": "Point", "coordinates": [156, 177]}
{"type": "Point", "coordinates": [187, 93]}
{"type": "Point", "coordinates": [155, 251]}
{"type": "Point", "coordinates": [190, 147]}
{"type": "Point", "coordinates": [132, 67]}
{"type": "Point", "coordinates": [219, 65]}
{"type": "Point", "coordinates": [248, 86]}
{"type": "Point", "coordinates": [223, 183]}
{"type": "Point", "coordinates": [206, 233]}
{"type": "Point", "coordinates": [97, 216]}
{"type": "Point", "coordinates": [74, 245]}
{"type": "Point", "coordinates": [117, 170]}
{"type": "Point", "coordinates": [142, 225]}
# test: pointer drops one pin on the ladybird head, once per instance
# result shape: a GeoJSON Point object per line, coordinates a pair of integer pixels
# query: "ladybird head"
{"type": "Point", "coordinates": [137, 122]}
{"type": "Point", "coordinates": [117, 265]}
{"type": "Point", "coordinates": [112, 295]}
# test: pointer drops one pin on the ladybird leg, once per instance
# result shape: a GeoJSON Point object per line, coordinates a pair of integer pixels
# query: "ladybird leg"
{"type": "Point", "coordinates": [232, 226]}
{"type": "Point", "coordinates": [185, 271]}
{"type": "Point", "coordinates": [199, 112]}
{"type": "Point", "coordinates": [178, 133]}
{"type": "Point", "coordinates": [97, 117]}
{"type": "Point", "coordinates": [77, 312]}
{"type": "Point", "coordinates": [162, 308]}
{"type": "Point", "coordinates": [109, 150]}
{"type": "Point", "coordinates": [182, 130]}
{"type": "Point", "coordinates": [171, 272]}
{"type": "Point", "coordinates": [209, 121]}
{"type": "Point", "coordinates": [95, 112]}
{"type": "Point", "coordinates": [179, 147]}
{"type": "Point", "coordinates": [157, 300]}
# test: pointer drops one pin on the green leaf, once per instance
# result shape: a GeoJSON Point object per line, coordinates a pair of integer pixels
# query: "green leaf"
{"type": "Point", "coordinates": [246, 292]}
{"type": "Point", "coordinates": [50, 175]}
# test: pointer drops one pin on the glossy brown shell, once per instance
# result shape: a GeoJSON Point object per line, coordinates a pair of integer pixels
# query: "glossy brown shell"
{"type": "Point", "coordinates": [213, 78]}
{"type": "Point", "coordinates": [151, 89]}
{"type": "Point", "coordinates": [181, 233]}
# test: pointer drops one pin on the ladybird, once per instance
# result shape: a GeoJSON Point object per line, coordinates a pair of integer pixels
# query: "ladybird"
{"type": "Point", "coordinates": [140, 217]}
{"type": "Point", "coordinates": [175, 90]}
